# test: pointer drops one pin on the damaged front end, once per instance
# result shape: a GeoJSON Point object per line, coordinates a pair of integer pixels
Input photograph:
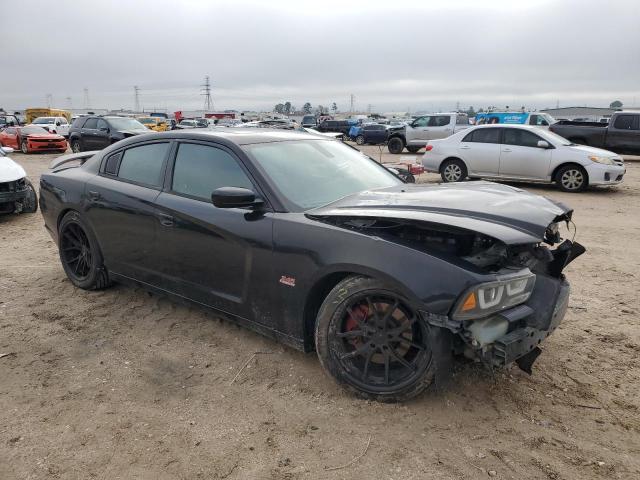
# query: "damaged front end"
{"type": "Point", "coordinates": [523, 295]}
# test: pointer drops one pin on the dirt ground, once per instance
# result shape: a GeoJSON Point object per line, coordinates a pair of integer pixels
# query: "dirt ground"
{"type": "Point", "coordinates": [121, 384]}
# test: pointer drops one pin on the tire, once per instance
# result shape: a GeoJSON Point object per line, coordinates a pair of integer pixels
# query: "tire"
{"type": "Point", "coordinates": [24, 147]}
{"type": "Point", "coordinates": [453, 170]}
{"type": "Point", "coordinates": [30, 203]}
{"type": "Point", "coordinates": [80, 254]}
{"type": "Point", "coordinates": [413, 149]}
{"type": "Point", "coordinates": [395, 145]}
{"type": "Point", "coordinates": [409, 178]}
{"type": "Point", "coordinates": [76, 147]}
{"type": "Point", "coordinates": [345, 137]}
{"type": "Point", "coordinates": [360, 140]}
{"type": "Point", "coordinates": [572, 178]}
{"type": "Point", "coordinates": [369, 353]}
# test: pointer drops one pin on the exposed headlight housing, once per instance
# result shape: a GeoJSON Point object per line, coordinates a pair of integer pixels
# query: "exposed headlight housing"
{"type": "Point", "coordinates": [491, 297]}
{"type": "Point", "coordinates": [603, 160]}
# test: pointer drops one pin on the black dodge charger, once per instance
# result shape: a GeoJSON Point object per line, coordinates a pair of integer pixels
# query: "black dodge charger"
{"type": "Point", "coordinates": [312, 243]}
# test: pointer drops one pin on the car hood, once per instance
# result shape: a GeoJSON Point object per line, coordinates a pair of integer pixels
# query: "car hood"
{"type": "Point", "coordinates": [506, 213]}
{"type": "Point", "coordinates": [10, 171]}
{"type": "Point", "coordinates": [593, 151]}
{"type": "Point", "coordinates": [45, 136]}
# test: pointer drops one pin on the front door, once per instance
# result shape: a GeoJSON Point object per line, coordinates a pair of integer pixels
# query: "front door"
{"type": "Point", "coordinates": [216, 256]}
{"type": "Point", "coordinates": [622, 136]}
{"type": "Point", "coordinates": [520, 156]}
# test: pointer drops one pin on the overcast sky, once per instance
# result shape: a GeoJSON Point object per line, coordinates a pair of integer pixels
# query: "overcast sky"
{"type": "Point", "coordinates": [421, 55]}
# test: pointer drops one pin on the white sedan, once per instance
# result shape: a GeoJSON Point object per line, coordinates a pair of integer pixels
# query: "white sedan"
{"type": "Point", "coordinates": [521, 153]}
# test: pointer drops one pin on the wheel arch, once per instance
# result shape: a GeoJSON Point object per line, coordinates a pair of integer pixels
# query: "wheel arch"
{"type": "Point", "coordinates": [453, 158]}
{"type": "Point", "coordinates": [565, 164]}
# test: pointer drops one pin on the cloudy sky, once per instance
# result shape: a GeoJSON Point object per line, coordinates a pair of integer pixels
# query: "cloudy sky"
{"type": "Point", "coordinates": [393, 55]}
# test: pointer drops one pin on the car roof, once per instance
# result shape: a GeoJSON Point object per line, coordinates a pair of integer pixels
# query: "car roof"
{"type": "Point", "coordinates": [521, 126]}
{"type": "Point", "coordinates": [241, 136]}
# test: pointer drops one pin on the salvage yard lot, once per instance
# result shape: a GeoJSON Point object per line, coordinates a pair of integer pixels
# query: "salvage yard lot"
{"type": "Point", "coordinates": [124, 384]}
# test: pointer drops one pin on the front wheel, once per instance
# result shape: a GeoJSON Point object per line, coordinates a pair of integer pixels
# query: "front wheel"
{"type": "Point", "coordinates": [24, 147]}
{"type": "Point", "coordinates": [453, 170]}
{"type": "Point", "coordinates": [80, 254]}
{"type": "Point", "coordinates": [360, 140]}
{"type": "Point", "coordinates": [572, 178]}
{"type": "Point", "coordinates": [371, 339]}
{"type": "Point", "coordinates": [395, 145]}
{"type": "Point", "coordinates": [30, 203]}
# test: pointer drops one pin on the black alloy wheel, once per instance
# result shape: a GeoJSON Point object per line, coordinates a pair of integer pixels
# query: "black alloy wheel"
{"type": "Point", "coordinates": [80, 255]}
{"type": "Point", "coordinates": [374, 341]}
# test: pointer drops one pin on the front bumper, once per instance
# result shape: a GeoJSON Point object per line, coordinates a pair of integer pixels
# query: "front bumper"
{"type": "Point", "coordinates": [42, 145]}
{"type": "Point", "coordinates": [600, 174]}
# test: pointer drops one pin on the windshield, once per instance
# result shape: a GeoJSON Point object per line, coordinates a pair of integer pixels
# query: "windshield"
{"type": "Point", "coordinates": [43, 121]}
{"type": "Point", "coordinates": [32, 130]}
{"type": "Point", "coordinates": [126, 124]}
{"type": "Point", "coordinates": [313, 173]}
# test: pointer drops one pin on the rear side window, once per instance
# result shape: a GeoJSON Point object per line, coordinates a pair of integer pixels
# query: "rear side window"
{"type": "Point", "coordinates": [111, 167]}
{"type": "Point", "coordinates": [144, 164]}
{"type": "Point", "coordinates": [91, 123]}
{"type": "Point", "coordinates": [484, 135]}
{"type": "Point", "coordinates": [200, 169]}
{"type": "Point", "coordinates": [522, 138]}
{"type": "Point", "coordinates": [439, 121]}
{"type": "Point", "coordinates": [625, 122]}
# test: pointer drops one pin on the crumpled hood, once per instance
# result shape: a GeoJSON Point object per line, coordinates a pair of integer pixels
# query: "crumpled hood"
{"type": "Point", "coordinates": [506, 213]}
{"type": "Point", "coordinates": [10, 171]}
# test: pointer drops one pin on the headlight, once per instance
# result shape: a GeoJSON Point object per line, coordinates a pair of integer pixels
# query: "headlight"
{"type": "Point", "coordinates": [487, 298]}
{"type": "Point", "coordinates": [603, 160]}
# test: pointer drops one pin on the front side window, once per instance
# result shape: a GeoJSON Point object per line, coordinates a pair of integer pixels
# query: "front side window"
{"type": "Point", "coordinates": [484, 135]}
{"type": "Point", "coordinates": [91, 123]}
{"type": "Point", "coordinates": [102, 125]}
{"type": "Point", "coordinates": [144, 164]}
{"type": "Point", "coordinates": [201, 169]}
{"type": "Point", "coordinates": [421, 122]}
{"type": "Point", "coordinates": [522, 138]}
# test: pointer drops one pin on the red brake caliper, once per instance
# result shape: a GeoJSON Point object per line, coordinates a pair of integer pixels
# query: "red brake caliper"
{"type": "Point", "coordinates": [358, 315]}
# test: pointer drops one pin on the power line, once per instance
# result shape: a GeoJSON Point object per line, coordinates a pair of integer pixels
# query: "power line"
{"type": "Point", "coordinates": [49, 100]}
{"type": "Point", "coordinates": [69, 103]}
{"type": "Point", "coordinates": [86, 102]}
{"type": "Point", "coordinates": [206, 88]}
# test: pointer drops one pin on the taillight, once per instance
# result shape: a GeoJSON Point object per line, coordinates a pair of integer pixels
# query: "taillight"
{"type": "Point", "coordinates": [428, 148]}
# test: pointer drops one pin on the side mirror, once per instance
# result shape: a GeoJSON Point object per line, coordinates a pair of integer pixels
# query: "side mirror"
{"type": "Point", "coordinates": [234, 197]}
{"type": "Point", "coordinates": [543, 144]}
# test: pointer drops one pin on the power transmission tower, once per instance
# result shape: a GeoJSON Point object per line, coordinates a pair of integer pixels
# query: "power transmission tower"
{"type": "Point", "coordinates": [352, 99]}
{"type": "Point", "coordinates": [136, 92]}
{"type": "Point", "coordinates": [369, 107]}
{"type": "Point", "coordinates": [206, 89]}
{"type": "Point", "coordinates": [69, 104]}
{"type": "Point", "coordinates": [86, 102]}
{"type": "Point", "coordinates": [49, 100]}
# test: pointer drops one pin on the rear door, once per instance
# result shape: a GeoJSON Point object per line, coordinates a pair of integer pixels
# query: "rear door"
{"type": "Point", "coordinates": [624, 134]}
{"type": "Point", "coordinates": [480, 150]}
{"type": "Point", "coordinates": [520, 156]}
{"type": "Point", "coordinates": [89, 133]}
{"type": "Point", "coordinates": [440, 126]}
{"type": "Point", "coordinates": [121, 210]}
{"type": "Point", "coordinates": [216, 256]}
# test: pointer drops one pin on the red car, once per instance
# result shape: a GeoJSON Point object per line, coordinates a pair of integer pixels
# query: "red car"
{"type": "Point", "coordinates": [31, 139]}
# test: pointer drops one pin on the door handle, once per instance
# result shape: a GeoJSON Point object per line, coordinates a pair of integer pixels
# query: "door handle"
{"type": "Point", "coordinates": [506, 149]}
{"type": "Point", "coordinates": [93, 196]}
{"type": "Point", "coordinates": [465, 147]}
{"type": "Point", "coordinates": [166, 220]}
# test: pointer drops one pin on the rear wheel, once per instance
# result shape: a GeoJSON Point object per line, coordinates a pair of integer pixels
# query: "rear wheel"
{"type": "Point", "coordinates": [24, 147]}
{"type": "Point", "coordinates": [395, 145]}
{"type": "Point", "coordinates": [75, 146]}
{"type": "Point", "coordinates": [413, 149]}
{"type": "Point", "coordinates": [572, 178]}
{"type": "Point", "coordinates": [80, 255]}
{"type": "Point", "coordinates": [360, 140]}
{"type": "Point", "coordinates": [370, 339]}
{"type": "Point", "coordinates": [453, 170]}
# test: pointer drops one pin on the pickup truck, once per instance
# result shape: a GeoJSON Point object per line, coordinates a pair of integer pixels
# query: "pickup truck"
{"type": "Point", "coordinates": [621, 135]}
{"type": "Point", "coordinates": [427, 127]}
